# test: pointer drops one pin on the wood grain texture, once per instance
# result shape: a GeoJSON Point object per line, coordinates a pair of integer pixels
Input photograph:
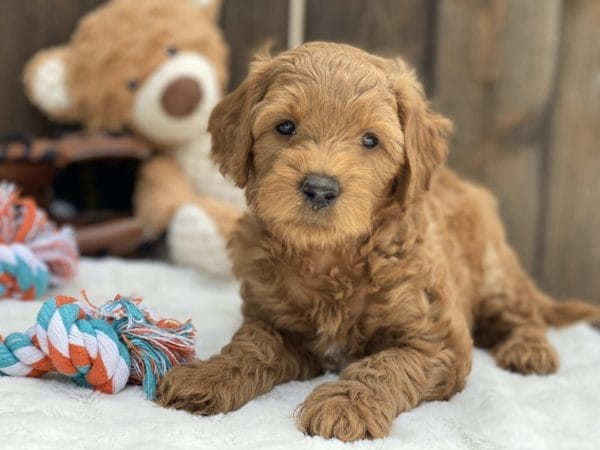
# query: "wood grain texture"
{"type": "Point", "coordinates": [385, 27]}
{"type": "Point", "coordinates": [249, 25]}
{"type": "Point", "coordinates": [571, 263]}
{"type": "Point", "coordinates": [494, 77]}
{"type": "Point", "coordinates": [26, 27]}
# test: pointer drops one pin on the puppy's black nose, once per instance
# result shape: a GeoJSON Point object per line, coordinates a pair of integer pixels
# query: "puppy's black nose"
{"type": "Point", "coordinates": [320, 191]}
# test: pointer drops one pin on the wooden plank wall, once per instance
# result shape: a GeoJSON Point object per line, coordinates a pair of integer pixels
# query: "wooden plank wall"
{"type": "Point", "coordinates": [249, 25]}
{"type": "Point", "coordinates": [571, 240]}
{"type": "Point", "coordinates": [495, 77]}
{"type": "Point", "coordinates": [520, 79]}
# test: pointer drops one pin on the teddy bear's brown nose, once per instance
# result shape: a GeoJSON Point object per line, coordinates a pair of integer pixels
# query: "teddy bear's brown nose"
{"type": "Point", "coordinates": [181, 97]}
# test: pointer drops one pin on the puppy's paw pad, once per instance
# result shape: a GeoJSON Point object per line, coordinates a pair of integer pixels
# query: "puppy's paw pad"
{"type": "Point", "coordinates": [344, 410]}
{"type": "Point", "coordinates": [527, 356]}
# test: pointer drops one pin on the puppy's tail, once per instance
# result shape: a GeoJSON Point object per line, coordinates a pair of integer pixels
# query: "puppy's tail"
{"type": "Point", "coordinates": [560, 314]}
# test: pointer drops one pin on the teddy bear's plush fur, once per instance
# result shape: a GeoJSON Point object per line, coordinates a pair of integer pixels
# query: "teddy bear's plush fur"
{"type": "Point", "coordinates": [158, 68]}
{"type": "Point", "coordinates": [359, 255]}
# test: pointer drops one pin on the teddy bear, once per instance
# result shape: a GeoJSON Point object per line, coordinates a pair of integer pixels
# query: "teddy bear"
{"type": "Point", "coordinates": [157, 68]}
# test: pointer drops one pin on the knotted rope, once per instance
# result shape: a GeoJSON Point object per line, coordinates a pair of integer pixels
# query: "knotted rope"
{"type": "Point", "coordinates": [33, 253]}
{"type": "Point", "coordinates": [102, 348]}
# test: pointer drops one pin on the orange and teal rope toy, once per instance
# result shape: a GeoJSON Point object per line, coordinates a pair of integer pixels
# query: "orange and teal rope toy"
{"type": "Point", "coordinates": [34, 254]}
{"type": "Point", "coordinates": [103, 348]}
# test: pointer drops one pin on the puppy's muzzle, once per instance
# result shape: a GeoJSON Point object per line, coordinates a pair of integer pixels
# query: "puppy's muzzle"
{"type": "Point", "coordinates": [319, 191]}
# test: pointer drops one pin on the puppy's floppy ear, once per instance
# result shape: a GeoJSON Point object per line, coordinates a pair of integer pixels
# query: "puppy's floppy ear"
{"type": "Point", "coordinates": [425, 132]}
{"type": "Point", "coordinates": [230, 123]}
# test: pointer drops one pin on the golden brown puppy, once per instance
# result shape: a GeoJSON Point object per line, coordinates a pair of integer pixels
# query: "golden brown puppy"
{"type": "Point", "coordinates": [360, 252]}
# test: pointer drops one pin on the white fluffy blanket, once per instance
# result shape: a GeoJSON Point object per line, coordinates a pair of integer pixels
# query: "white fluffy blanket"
{"type": "Point", "coordinates": [497, 409]}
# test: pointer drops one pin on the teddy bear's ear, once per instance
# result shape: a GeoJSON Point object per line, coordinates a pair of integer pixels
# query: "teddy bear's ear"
{"type": "Point", "coordinates": [212, 7]}
{"type": "Point", "coordinates": [46, 84]}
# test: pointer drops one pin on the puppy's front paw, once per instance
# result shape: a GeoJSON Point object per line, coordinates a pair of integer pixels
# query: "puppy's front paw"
{"type": "Point", "coordinates": [201, 387]}
{"type": "Point", "coordinates": [529, 355]}
{"type": "Point", "coordinates": [346, 410]}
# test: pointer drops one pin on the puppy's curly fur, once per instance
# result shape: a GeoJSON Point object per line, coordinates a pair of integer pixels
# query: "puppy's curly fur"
{"type": "Point", "coordinates": [390, 283]}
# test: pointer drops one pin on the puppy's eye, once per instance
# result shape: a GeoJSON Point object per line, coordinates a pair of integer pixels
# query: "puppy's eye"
{"type": "Point", "coordinates": [287, 127]}
{"type": "Point", "coordinates": [369, 141]}
{"type": "Point", "coordinates": [132, 84]}
{"type": "Point", "coordinates": [171, 50]}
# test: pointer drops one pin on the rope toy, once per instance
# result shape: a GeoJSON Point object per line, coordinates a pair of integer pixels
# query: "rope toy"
{"type": "Point", "coordinates": [99, 347]}
{"type": "Point", "coordinates": [33, 253]}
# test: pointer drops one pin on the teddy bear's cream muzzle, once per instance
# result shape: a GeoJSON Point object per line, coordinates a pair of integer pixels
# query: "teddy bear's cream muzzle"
{"type": "Point", "coordinates": [174, 103]}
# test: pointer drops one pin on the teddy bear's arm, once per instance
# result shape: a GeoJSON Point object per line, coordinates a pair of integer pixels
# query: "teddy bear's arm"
{"type": "Point", "coordinates": [162, 189]}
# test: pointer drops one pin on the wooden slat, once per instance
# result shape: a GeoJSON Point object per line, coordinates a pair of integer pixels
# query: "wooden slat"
{"type": "Point", "coordinates": [494, 77]}
{"type": "Point", "coordinates": [250, 24]}
{"type": "Point", "coordinates": [572, 239]}
{"type": "Point", "coordinates": [385, 27]}
{"type": "Point", "coordinates": [26, 27]}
